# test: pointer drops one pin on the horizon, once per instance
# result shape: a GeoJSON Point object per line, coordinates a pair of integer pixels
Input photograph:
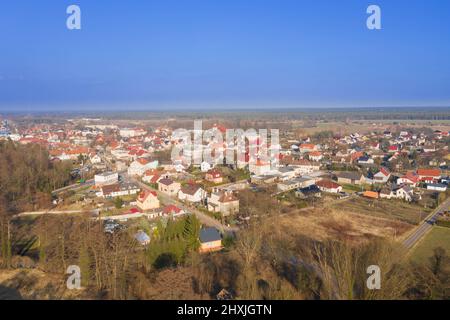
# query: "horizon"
{"type": "Point", "coordinates": [201, 56]}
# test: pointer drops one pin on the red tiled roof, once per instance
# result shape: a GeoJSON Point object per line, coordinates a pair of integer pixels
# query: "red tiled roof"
{"type": "Point", "coordinates": [145, 194]}
{"type": "Point", "coordinates": [171, 209]}
{"type": "Point", "coordinates": [307, 146]}
{"type": "Point", "coordinates": [142, 161]}
{"type": "Point", "coordinates": [429, 172]}
{"type": "Point", "coordinates": [327, 184]}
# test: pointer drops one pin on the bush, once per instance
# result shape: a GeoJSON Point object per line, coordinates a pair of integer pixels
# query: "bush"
{"type": "Point", "coordinates": [443, 223]}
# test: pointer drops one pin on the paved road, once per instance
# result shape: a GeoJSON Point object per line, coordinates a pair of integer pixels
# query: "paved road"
{"type": "Point", "coordinates": [426, 225]}
{"type": "Point", "coordinates": [204, 218]}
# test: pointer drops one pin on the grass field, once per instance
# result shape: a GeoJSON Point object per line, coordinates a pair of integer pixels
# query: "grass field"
{"type": "Point", "coordinates": [437, 237]}
{"type": "Point", "coordinates": [383, 208]}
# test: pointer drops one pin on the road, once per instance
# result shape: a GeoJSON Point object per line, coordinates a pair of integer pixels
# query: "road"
{"type": "Point", "coordinates": [425, 226]}
{"type": "Point", "coordinates": [74, 186]}
{"type": "Point", "coordinates": [166, 199]}
{"type": "Point", "coordinates": [55, 212]}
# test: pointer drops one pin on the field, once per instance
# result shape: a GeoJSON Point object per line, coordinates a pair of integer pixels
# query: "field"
{"type": "Point", "coordinates": [437, 237]}
{"type": "Point", "coordinates": [383, 208]}
{"type": "Point", "coordinates": [326, 223]}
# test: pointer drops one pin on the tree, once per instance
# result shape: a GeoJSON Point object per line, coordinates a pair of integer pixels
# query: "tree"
{"type": "Point", "coordinates": [118, 202]}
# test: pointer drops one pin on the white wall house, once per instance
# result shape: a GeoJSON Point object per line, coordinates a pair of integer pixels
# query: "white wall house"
{"type": "Point", "coordinates": [106, 178]}
{"type": "Point", "coordinates": [139, 166]}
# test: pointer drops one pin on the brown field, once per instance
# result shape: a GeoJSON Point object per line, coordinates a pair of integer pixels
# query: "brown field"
{"type": "Point", "coordinates": [383, 208]}
{"type": "Point", "coordinates": [365, 126]}
{"type": "Point", "coordinates": [324, 224]}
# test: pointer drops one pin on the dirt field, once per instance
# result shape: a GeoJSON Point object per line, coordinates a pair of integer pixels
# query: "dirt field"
{"type": "Point", "coordinates": [27, 284]}
{"type": "Point", "coordinates": [322, 224]}
{"type": "Point", "coordinates": [383, 208]}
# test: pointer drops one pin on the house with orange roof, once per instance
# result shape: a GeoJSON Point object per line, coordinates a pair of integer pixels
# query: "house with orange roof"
{"type": "Point", "coordinates": [329, 186]}
{"type": "Point", "coordinates": [147, 200]}
{"type": "Point", "coordinates": [371, 194]}
{"type": "Point", "coordinates": [315, 156]}
{"type": "Point", "coordinates": [410, 178]}
{"type": "Point", "coordinates": [173, 211]}
{"type": "Point", "coordinates": [429, 175]}
{"type": "Point", "coordinates": [259, 167]}
{"type": "Point", "coordinates": [307, 147]}
{"type": "Point", "coordinates": [214, 176]}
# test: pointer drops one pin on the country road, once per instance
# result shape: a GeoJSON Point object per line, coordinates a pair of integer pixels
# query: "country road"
{"type": "Point", "coordinates": [204, 218]}
{"type": "Point", "coordinates": [74, 186]}
{"type": "Point", "coordinates": [425, 226]}
{"type": "Point", "coordinates": [55, 212]}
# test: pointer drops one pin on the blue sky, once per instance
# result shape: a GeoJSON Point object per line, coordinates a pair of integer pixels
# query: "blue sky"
{"type": "Point", "coordinates": [217, 54]}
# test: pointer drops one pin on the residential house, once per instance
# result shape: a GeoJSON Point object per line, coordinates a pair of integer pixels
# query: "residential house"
{"type": "Point", "coordinates": [307, 147]}
{"type": "Point", "coordinates": [411, 178]}
{"type": "Point", "coordinates": [329, 186]}
{"type": "Point", "coordinates": [403, 192]}
{"type": "Point", "coordinates": [437, 187]}
{"type": "Point", "coordinates": [304, 166]}
{"type": "Point", "coordinates": [106, 178]}
{"type": "Point", "coordinates": [173, 211]}
{"type": "Point", "coordinates": [382, 176]}
{"type": "Point", "coordinates": [429, 175]}
{"type": "Point", "coordinates": [210, 240]}
{"type": "Point", "coordinates": [259, 167]}
{"type": "Point", "coordinates": [214, 176]}
{"type": "Point", "coordinates": [169, 187]}
{"type": "Point", "coordinates": [365, 160]}
{"type": "Point", "coordinates": [315, 156]}
{"type": "Point", "coordinates": [287, 173]}
{"type": "Point", "coordinates": [299, 182]}
{"type": "Point", "coordinates": [387, 193]}
{"type": "Point", "coordinates": [224, 202]}
{"type": "Point", "coordinates": [140, 165]}
{"type": "Point", "coordinates": [148, 200]}
{"type": "Point", "coordinates": [350, 177]}
{"type": "Point", "coordinates": [192, 193]}
{"type": "Point", "coordinates": [205, 166]}
{"type": "Point", "coordinates": [117, 190]}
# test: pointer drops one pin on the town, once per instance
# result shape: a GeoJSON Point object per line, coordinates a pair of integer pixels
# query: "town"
{"type": "Point", "coordinates": [381, 181]}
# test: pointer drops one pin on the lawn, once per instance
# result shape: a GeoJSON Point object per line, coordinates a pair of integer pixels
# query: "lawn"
{"type": "Point", "coordinates": [383, 208]}
{"type": "Point", "coordinates": [437, 237]}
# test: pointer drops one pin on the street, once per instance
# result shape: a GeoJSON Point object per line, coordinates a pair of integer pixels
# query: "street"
{"type": "Point", "coordinates": [204, 218]}
{"type": "Point", "coordinates": [425, 226]}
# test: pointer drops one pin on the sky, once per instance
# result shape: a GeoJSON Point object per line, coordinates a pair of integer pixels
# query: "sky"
{"type": "Point", "coordinates": [223, 54]}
